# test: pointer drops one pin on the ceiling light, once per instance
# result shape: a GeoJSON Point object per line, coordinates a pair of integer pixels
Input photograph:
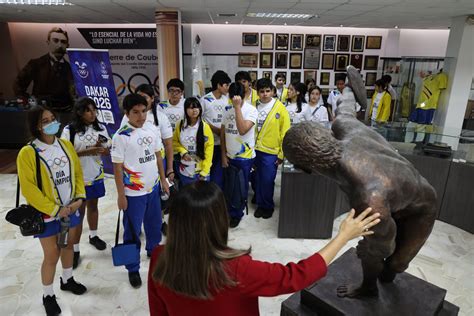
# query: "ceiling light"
{"type": "Point", "coordinates": [226, 22]}
{"type": "Point", "coordinates": [396, 26]}
{"type": "Point", "coordinates": [36, 2]}
{"type": "Point", "coordinates": [342, 25]}
{"type": "Point", "coordinates": [226, 15]}
{"type": "Point", "coordinates": [280, 15]}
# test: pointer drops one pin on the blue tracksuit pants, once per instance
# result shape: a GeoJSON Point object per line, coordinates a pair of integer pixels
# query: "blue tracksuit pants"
{"type": "Point", "coordinates": [264, 179]}
{"type": "Point", "coordinates": [245, 165]}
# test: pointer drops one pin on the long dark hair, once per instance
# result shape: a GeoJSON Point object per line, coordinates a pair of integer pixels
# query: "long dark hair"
{"type": "Point", "coordinates": [80, 107]}
{"type": "Point", "coordinates": [193, 102]}
{"type": "Point", "coordinates": [34, 118]}
{"type": "Point", "coordinates": [192, 262]}
{"type": "Point", "coordinates": [301, 88]}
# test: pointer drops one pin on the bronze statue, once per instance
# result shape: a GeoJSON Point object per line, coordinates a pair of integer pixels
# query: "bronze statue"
{"type": "Point", "coordinates": [372, 173]}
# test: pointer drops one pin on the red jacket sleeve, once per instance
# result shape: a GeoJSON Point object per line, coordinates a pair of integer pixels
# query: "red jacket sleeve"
{"type": "Point", "coordinates": [257, 278]}
{"type": "Point", "coordinates": [155, 302]}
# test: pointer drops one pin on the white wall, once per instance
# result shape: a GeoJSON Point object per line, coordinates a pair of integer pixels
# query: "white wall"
{"type": "Point", "coordinates": [429, 43]}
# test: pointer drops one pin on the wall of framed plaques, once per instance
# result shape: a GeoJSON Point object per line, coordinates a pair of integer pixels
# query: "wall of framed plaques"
{"type": "Point", "coordinates": [303, 52]}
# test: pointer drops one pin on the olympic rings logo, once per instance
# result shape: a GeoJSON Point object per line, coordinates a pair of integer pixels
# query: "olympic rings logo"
{"type": "Point", "coordinates": [292, 114]}
{"type": "Point", "coordinates": [219, 108]}
{"type": "Point", "coordinates": [190, 139]}
{"type": "Point", "coordinates": [88, 137]}
{"type": "Point", "coordinates": [145, 140]}
{"type": "Point", "coordinates": [232, 117]}
{"type": "Point", "coordinates": [174, 117]}
{"type": "Point", "coordinates": [58, 162]}
{"type": "Point", "coordinates": [262, 114]}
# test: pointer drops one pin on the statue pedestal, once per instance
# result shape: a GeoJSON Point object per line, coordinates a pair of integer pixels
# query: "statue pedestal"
{"type": "Point", "coordinates": [407, 295]}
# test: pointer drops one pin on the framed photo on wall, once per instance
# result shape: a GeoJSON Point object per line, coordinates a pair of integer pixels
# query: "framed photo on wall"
{"type": "Point", "coordinates": [253, 75]}
{"type": "Point", "coordinates": [370, 93]}
{"type": "Point", "coordinates": [295, 76]}
{"type": "Point", "coordinates": [328, 61]}
{"type": "Point", "coordinates": [371, 62]}
{"type": "Point", "coordinates": [283, 73]}
{"type": "Point", "coordinates": [281, 60]}
{"type": "Point", "coordinates": [281, 41]}
{"type": "Point", "coordinates": [324, 78]}
{"type": "Point", "coordinates": [357, 43]}
{"type": "Point", "coordinates": [373, 42]}
{"type": "Point", "coordinates": [329, 43]}
{"type": "Point", "coordinates": [248, 60]}
{"type": "Point", "coordinates": [311, 58]}
{"type": "Point", "coordinates": [310, 74]}
{"type": "Point", "coordinates": [266, 60]}
{"type": "Point", "coordinates": [296, 60]}
{"type": "Point", "coordinates": [342, 60]}
{"type": "Point", "coordinates": [266, 41]}
{"type": "Point", "coordinates": [249, 39]}
{"type": "Point", "coordinates": [313, 40]}
{"type": "Point", "coordinates": [343, 43]}
{"type": "Point", "coordinates": [267, 75]}
{"type": "Point", "coordinates": [370, 78]}
{"type": "Point", "coordinates": [356, 61]}
{"type": "Point", "coordinates": [296, 42]}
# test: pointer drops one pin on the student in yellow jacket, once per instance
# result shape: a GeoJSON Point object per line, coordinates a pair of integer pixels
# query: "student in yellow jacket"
{"type": "Point", "coordinates": [62, 193]}
{"type": "Point", "coordinates": [194, 142]}
{"type": "Point", "coordinates": [251, 95]}
{"type": "Point", "coordinates": [272, 123]}
{"type": "Point", "coordinates": [379, 112]}
{"type": "Point", "coordinates": [281, 92]}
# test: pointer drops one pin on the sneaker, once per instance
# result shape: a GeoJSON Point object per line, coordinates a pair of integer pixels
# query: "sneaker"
{"type": "Point", "coordinates": [234, 222]}
{"type": "Point", "coordinates": [51, 306]}
{"type": "Point", "coordinates": [164, 228]}
{"type": "Point", "coordinates": [98, 243]}
{"type": "Point", "coordinates": [258, 212]}
{"type": "Point", "coordinates": [135, 279]}
{"type": "Point", "coordinates": [73, 286]}
{"type": "Point", "coordinates": [267, 213]}
{"type": "Point", "coordinates": [76, 260]}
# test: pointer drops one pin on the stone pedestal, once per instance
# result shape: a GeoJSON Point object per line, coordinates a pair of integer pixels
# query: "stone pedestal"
{"type": "Point", "coordinates": [407, 295]}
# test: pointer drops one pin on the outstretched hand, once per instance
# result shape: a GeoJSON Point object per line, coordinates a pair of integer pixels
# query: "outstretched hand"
{"type": "Point", "coordinates": [353, 227]}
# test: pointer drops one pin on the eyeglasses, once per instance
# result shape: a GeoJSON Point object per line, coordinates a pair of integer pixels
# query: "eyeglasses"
{"type": "Point", "coordinates": [57, 40]}
{"type": "Point", "coordinates": [174, 91]}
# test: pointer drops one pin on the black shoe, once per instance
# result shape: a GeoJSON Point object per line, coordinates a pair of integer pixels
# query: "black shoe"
{"type": "Point", "coordinates": [234, 222]}
{"type": "Point", "coordinates": [135, 279]}
{"type": "Point", "coordinates": [258, 212]}
{"type": "Point", "coordinates": [98, 243]}
{"type": "Point", "coordinates": [76, 260]}
{"type": "Point", "coordinates": [164, 228]}
{"type": "Point", "coordinates": [51, 306]}
{"type": "Point", "coordinates": [254, 199]}
{"type": "Point", "coordinates": [73, 286]}
{"type": "Point", "coordinates": [267, 213]}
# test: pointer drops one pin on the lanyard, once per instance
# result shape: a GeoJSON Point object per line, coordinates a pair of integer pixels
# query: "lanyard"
{"type": "Point", "coordinates": [316, 110]}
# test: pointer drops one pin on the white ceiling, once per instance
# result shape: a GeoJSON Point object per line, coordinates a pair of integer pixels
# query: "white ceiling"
{"type": "Point", "coordinates": [420, 14]}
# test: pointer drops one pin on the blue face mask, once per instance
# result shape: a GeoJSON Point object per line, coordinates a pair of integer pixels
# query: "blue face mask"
{"type": "Point", "coordinates": [51, 128]}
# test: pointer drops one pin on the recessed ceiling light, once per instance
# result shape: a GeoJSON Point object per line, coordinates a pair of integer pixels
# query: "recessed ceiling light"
{"type": "Point", "coordinates": [226, 22]}
{"type": "Point", "coordinates": [396, 26]}
{"type": "Point", "coordinates": [285, 24]}
{"type": "Point", "coordinates": [281, 15]}
{"type": "Point", "coordinates": [226, 15]}
{"type": "Point", "coordinates": [36, 2]}
{"type": "Point", "coordinates": [342, 25]}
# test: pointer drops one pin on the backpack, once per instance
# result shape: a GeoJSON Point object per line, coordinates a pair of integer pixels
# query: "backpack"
{"type": "Point", "coordinates": [234, 188]}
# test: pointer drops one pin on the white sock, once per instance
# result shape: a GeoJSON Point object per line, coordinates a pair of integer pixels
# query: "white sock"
{"type": "Point", "coordinates": [92, 233]}
{"type": "Point", "coordinates": [76, 248]}
{"type": "Point", "coordinates": [48, 290]}
{"type": "Point", "coordinates": [67, 274]}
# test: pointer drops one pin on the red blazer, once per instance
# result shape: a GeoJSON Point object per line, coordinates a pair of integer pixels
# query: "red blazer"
{"type": "Point", "coordinates": [255, 278]}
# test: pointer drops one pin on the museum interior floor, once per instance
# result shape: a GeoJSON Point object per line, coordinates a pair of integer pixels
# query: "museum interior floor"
{"type": "Point", "coordinates": [446, 260]}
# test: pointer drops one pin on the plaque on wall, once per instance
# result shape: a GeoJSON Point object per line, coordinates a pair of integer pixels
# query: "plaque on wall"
{"type": "Point", "coordinates": [266, 60]}
{"type": "Point", "coordinates": [310, 74]}
{"type": "Point", "coordinates": [266, 41]}
{"type": "Point", "coordinates": [295, 60]}
{"type": "Point", "coordinates": [324, 78]}
{"type": "Point", "coordinates": [281, 60]}
{"type": "Point", "coordinates": [248, 60]}
{"type": "Point", "coordinates": [295, 76]}
{"type": "Point", "coordinates": [343, 43]}
{"type": "Point", "coordinates": [356, 61]}
{"type": "Point", "coordinates": [357, 43]}
{"type": "Point", "coordinates": [329, 43]}
{"type": "Point", "coordinates": [267, 75]}
{"type": "Point", "coordinates": [328, 61]}
{"type": "Point", "coordinates": [249, 39]}
{"type": "Point", "coordinates": [311, 58]}
{"type": "Point", "coordinates": [371, 62]}
{"type": "Point", "coordinates": [313, 40]}
{"type": "Point", "coordinates": [373, 42]}
{"type": "Point", "coordinates": [281, 41]}
{"type": "Point", "coordinates": [370, 78]}
{"type": "Point", "coordinates": [342, 60]}
{"type": "Point", "coordinates": [296, 42]}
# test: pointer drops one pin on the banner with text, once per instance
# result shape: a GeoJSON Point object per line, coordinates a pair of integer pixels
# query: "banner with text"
{"type": "Point", "coordinates": [92, 74]}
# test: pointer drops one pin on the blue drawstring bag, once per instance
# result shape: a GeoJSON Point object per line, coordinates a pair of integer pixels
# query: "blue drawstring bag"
{"type": "Point", "coordinates": [123, 254]}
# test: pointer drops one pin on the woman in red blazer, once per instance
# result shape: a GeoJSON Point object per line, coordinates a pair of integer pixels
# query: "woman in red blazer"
{"type": "Point", "coordinates": [196, 273]}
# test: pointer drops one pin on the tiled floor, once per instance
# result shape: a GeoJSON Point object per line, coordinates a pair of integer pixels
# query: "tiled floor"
{"type": "Point", "coordinates": [446, 260]}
